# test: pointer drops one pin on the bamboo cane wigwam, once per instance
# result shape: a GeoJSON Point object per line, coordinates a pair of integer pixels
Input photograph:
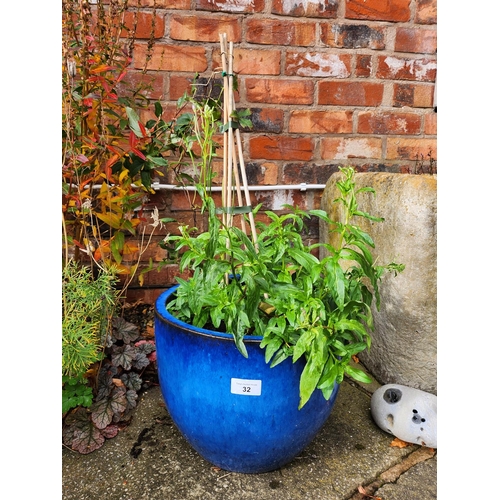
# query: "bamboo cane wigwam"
{"type": "Point", "coordinates": [234, 172]}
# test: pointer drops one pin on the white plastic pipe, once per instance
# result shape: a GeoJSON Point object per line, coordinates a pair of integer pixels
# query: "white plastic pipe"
{"type": "Point", "coordinates": [280, 187]}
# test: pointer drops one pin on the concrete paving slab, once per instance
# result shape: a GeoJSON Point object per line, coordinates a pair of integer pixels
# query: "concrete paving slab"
{"type": "Point", "coordinates": [414, 484]}
{"type": "Point", "coordinates": [151, 460]}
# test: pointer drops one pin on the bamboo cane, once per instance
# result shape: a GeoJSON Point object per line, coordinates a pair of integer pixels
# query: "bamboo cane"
{"type": "Point", "coordinates": [231, 106]}
{"type": "Point", "coordinates": [230, 132]}
{"type": "Point", "coordinates": [242, 170]}
{"type": "Point", "coordinates": [222, 37]}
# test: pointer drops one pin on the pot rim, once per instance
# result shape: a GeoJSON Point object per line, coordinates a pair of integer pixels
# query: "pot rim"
{"type": "Point", "coordinates": [162, 313]}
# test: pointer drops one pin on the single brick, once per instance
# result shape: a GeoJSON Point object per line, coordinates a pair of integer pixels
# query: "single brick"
{"type": "Point", "coordinates": [281, 148]}
{"type": "Point", "coordinates": [403, 68]}
{"type": "Point", "coordinates": [413, 95]}
{"type": "Point", "coordinates": [235, 6]}
{"type": "Point", "coordinates": [350, 93]}
{"type": "Point", "coordinates": [430, 123]}
{"type": "Point", "coordinates": [279, 91]}
{"type": "Point", "coordinates": [363, 65]}
{"type": "Point", "coordinates": [421, 41]}
{"type": "Point", "coordinates": [204, 29]}
{"type": "Point", "coordinates": [152, 83]}
{"type": "Point", "coordinates": [320, 122]}
{"type": "Point", "coordinates": [280, 32]}
{"type": "Point", "coordinates": [209, 87]}
{"type": "Point", "coordinates": [305, 8]}
{"type": "Point", "coordinates": [145, 24]}
{"type": "Point", "coordinates": [410, 149]}
{"type": "Point", "coordinates": [183, 201]}
{"type": "Point", "coordinates": [252, 61]}
{"type": "Point", "coordinates": [178, 86]}
{"type": "Point", "coordinates": [339, 148]}
{"type": "Point", "coordinates": [171, 58]}
{"type": "Point", "coordinates": [311, 173]}
{"type": "Point", "coordinates": [387, 123]}
{"type": "Point", "coordinates": [267, 120]}
{"type": "Point", "coordinates": [265, 173]}
{"type": "Point", "coordinates": [377, 10]}
{"type": "Point", "coordinates": [426, 12]}
{"type": "Point", "coordinates": [352, 36]}
{"type": "Point", "coordinates": [317, 64]}
{"type": "Point", "coordinates": [158, 199]}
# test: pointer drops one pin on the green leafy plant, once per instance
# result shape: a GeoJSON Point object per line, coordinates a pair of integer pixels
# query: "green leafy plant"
{"type": "Point", "coordinates": [274, 286]}
{"type": "Point", "coordinates": [194, 132]}
{"type": "Point", "coordinates": [278, 289]}
{"type": "Point", "coordinates": [88, 305]}
{"type": "Point", "coordinates": [75, 392]}
{"type": "Point", "coordinates": [109, 154]}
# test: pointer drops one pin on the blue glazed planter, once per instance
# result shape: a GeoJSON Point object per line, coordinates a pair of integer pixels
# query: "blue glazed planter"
{"type": "Point", "coordinates": [236, 412]}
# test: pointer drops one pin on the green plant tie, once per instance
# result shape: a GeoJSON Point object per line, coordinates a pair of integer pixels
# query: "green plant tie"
{"type": "Point", "coordinates": [233, 210]}
{"type": "Point", "coordinates": [230, 123]}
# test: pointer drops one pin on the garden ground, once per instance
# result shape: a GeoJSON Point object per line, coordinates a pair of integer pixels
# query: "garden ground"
{"type": "Point", "coordinates": [350, 459]}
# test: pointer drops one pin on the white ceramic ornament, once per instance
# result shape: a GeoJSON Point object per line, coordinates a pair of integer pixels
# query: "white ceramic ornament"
{"type": "Point", "coordinates": [407, 413]}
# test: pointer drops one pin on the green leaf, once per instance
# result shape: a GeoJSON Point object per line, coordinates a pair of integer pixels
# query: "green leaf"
{"type": "Point", "coordinates": [112, 220]}
{"type": "Point", "coordinates": [272, 345]}
{"type": "Point", "coordinates": [158, 109]}
{"type": "Point", "coordinates": [309, 379]}
{"type": "Point", "coordinates": [157, 160]}
{"type": "Point", "coordinates": [303, 345]}
{"type": "Point", "coordinates": [358, 374]}
{"type": "Point", "coordinates": [241, 346]}
{"type": "Point", "coordinates": [117, 244]}
{"type": "Point", "coordinates": [329, 375]}
{"type": "Point", "coordinates": [76, 394]}
{"type": "Point", "coordinates": [305, 259]}
{"type": "Point", "coordinates": [368, 216]}
{"type": "Point", "coordinates": [133, 121]}
{"type": "Point", "coordinates": [313, 370]}
{"type": "Point", "coordinates": [146, 178]}
{"type": "Point", "coordinates": [351, 325]}
{"type": "Point", "coordinates": [280, 356]}
{"type": "Point", "coordinates": [322, 214]}
{"type": "Point", "coordinates": [335, 279]}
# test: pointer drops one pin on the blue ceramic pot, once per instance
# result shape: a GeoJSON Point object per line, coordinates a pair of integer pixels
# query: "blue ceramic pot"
{"type": "Point", "coordinates": [236, 412]}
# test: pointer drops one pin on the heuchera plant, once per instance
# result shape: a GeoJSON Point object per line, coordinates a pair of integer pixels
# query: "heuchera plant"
{"type": "Point", "coordinates": [117, 380]}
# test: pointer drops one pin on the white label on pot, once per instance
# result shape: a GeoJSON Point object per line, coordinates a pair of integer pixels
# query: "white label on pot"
{"type": "Point", "coordinates": [246, 387]}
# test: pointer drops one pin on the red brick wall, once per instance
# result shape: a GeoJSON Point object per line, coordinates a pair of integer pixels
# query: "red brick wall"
{"type": "Point", "coordinates": [329, 83]}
